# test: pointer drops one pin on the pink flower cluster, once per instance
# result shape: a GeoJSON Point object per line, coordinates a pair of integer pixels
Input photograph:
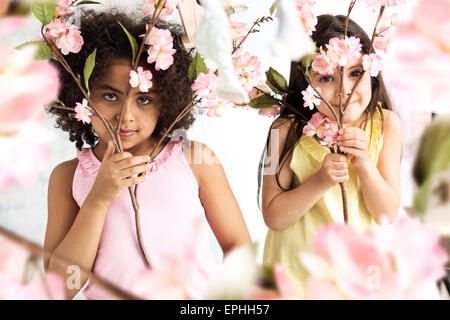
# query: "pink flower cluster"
{"type": "Point", "coordinates": [205, 87]}
{"type": "Point", "coordinates": [248, 68]}
{"type": "Point", "coordinates": [322, 127]}
{"type": "Point", "coordinates": [238, 31]}
{"type": "Point", "coordinates": [161, 48]}
{"type": "Point", "coordinates": [383, 264]}
{"type": "Point", "coordinates": [82, 112]}
{"type": "Point", "coordinates": [386, 3]}
{"type": "Point", "coordinates": [339, 52]}
{"type": "Point", "coordinates": [141, 79]}
{"type": "Point", "coordinates": [64, 9]}
{"type": "Point", "coordinates": [169, 6]}
{"type": "Point", "coordinates": [311, 98]}
{"type": "Point", "coordinates": [372, 63]}
{"type": "Point", "coordinates": [306, 14]}
{"type": "Point", "coordinates": [66, 36]}
{"type": "Point", "coordinates": [271, 111]}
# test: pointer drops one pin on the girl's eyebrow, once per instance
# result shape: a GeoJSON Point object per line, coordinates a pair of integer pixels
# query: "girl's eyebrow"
{"type": "Point", "coordinates": [108, 87]}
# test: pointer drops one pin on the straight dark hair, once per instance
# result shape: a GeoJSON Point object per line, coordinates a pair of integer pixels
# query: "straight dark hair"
{"type": "Point", "coordinates": [328, 27]}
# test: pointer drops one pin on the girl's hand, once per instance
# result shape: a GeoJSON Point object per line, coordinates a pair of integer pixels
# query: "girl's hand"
{"type": "Point", "coordinates": [355, 143]}
{"type": "Point", "coordinates": [116, 173]}
{"type": "Point", "coordinates": [334, 169]}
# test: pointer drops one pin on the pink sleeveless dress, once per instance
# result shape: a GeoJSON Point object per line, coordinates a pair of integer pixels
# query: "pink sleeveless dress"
{"type": "Point", "coordinates": [170, 209]}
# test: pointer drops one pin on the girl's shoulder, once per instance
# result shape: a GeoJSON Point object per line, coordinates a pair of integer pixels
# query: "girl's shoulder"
{"type": "Point", "coordinates": [63, 173]}
{"type": "Point", "coordinates": [392, 125]}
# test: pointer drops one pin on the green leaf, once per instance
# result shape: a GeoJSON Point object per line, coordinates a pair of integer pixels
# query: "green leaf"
{"type": "Point", "coordinates": [196, 67]}
{"type": "Point", "coordinates": [133, 43]}
{"type": "Point", "coordinates": [43, 51]}
{"type": "Point", "coordinates": [306, 62]}
{"type": "Point", "coordinates": [88, 68]}
{"type": "Point", "coordinates": [87, 2]}
{"type": "Point", "coordinates": [276, 81]}
{"type": "Point", "coordinates": [263, 101]}
{"type": "Point", "coordinates": [273, 8]}
{"type": "Point", "coordinates": [275, 90]}
{"type": "Point", "coordinates": [44, 11]}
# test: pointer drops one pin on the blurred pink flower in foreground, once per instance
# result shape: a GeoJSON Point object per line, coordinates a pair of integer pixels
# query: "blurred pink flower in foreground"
{"type": "Point", "coordinates": [13, 264]}
{"type": "Point", "coordinates": [341, 51]}
{"type": "Point", "coordinates": [26, 86]}
{"type": "Point", "coordinates": [403, 261]}
{"type": "Point", "coordinates": [372, 63]}
{"type": "Point", "coordinates": [238, 31]}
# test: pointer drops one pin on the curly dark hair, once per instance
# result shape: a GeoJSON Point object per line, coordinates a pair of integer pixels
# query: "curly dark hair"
{"type": "Point", "coordinates": [101, 30]}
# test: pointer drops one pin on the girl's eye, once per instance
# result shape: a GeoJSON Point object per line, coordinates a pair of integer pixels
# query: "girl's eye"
{"type": "Point", "coordinates": [144, 100]}
{"type": "Point", "coordinates": [110, 97]}
{"type": "Point", "coordinates": [356, 73]}
{"type": "Point", "coordinates": [326, 79]}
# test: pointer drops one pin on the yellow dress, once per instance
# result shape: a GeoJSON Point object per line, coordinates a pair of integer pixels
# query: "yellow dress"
{"type": "Point", "coordinates": [283, 247]}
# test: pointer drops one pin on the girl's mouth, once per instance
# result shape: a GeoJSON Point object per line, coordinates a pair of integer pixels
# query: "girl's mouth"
{"type": "Point", "coordinates": [126, 133]}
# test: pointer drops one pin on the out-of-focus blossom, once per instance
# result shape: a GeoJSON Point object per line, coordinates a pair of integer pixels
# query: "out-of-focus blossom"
{"type": "Point", "coordinates": [35, 140]}
{"type": "Point", "coordinates": [248, 67]}
{"type": "Point", "coordinates": [213, 41]}
{"type": "Point", "coordinates": [161, 48]}
{"type": "Point", "coordinates": [383, 38]}
{"type": "Point", "coordinates": [13, 263]}
{"type": "Point", "coordinates": [66, 36]}
{"type": "Point", "coordinates": [149, 7]}
{"type": "Point", "coordinates": [11, 23]}
{"type": "Point", "coordinates": [340, 51]}
{"type": "Point", "coordinates": [238, 31]}
{"type": "Point", "coordinates": [372, 63]}
{"type": "Point", "coordinates": [386, 3]}
{"type": "Point", "coordinates": [306, 14]}
{"type": "Point", "coordinates": [82, 112]}
{"type": "Point", "coordinates": [26, 86]}
{"type": "Point", "coordinates": [384, 264]}
{"type": "Point", "coordinates": [289, 45]}
{"type": "Point", "coordinates": [270, 112]}
{"type": "Point", "coordinates": [64, 9]}
{"type": "Point", "coordinates": [321, 63]}
{"type": "Point", "coordinates": [310, 97]}
{"type": "Point", "coordinates": [141, 79]}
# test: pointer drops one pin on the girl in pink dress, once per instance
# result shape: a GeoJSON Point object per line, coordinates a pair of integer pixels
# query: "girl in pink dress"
{"type": "Point", "coordinates": [90, 215]}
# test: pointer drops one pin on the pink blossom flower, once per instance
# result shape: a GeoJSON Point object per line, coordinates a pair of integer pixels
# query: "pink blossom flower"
{"type": "Point", "coordinates": [314, 125]}
{"type": "Point", "coordinates": [83, 112]}
{"type": "Point", "coordinates": [324, 128]}
{"type": "Point", "coordinates": [238, 30]}
{"type": "Point", "coordinates": [161, 48]}
{"type": "Point", "coordinates": [206, 85]}
{"type": "Point", "coordinates": [141, 79]}
{"type": "Point", "coordinates": [272, 111]}
{"type": "Point", "coordinates": [340, 51]}
{"type": "Point", "coordinates": [306, 15]}
{"type": "Point", "coordinates": [386, 3]}
{"type": "Point", "coordinates": [382, 264]}
{"type": "Point", "coordinates": [372, 63]}
{"type": "Point", "coordinates": [321, 63]}
{"type": "Point", "coordinates": [26, 86]}
{"type": "Point", "coordinates": [149, 7]}
{"type": "Point", "coordinates": [248, 68]}
{"type": "Point", "coordinates": [66, 36]}
{"type": "Point", "coordinates": [330, 132]}
{"type": "Point", "coordinates": [310, 97]}
{"type": "Point", "coordinates": [63, 8]}
{"type": "Point", "coordinates": [383, 38]}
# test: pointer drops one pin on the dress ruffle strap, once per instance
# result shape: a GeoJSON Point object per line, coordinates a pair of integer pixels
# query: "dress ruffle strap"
{"type": "Point", "coordinates": [91, 164]}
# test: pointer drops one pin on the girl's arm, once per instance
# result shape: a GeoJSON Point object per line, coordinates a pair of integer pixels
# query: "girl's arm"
{"type": "Point", "coordinates": [221, 208]}
{"type": "Point", "coordinates": [72, 232]}
{"type": "Point", "coordinates": [281, 208]}
{"type": "Point", "coordinates": [380, 182]}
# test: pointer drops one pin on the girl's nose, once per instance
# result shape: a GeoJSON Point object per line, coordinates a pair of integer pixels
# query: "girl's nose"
{"type": "Point", "coordinates": [128, 112]}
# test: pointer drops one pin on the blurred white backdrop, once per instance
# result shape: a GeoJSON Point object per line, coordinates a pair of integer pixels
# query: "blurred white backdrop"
{"type": "Point", "coordinates": [238, 137]}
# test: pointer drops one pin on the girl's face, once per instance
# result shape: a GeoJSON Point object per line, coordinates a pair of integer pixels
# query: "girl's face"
{"type": "Point", "coordinates": [330, 86]}
{"type": "Point", "coordinates": [140, 113]}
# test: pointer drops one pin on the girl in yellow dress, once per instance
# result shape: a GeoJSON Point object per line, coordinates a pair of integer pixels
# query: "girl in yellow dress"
{"type": "Point", "coordinates": [303, 193]}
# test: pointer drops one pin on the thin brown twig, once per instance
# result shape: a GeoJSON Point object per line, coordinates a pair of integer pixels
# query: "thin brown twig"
{"type": "Point", "coordinates": [252, 30]}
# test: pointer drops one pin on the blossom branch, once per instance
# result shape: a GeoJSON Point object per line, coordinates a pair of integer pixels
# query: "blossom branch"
{"type": "Point", "coordinates": [252, 30]}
